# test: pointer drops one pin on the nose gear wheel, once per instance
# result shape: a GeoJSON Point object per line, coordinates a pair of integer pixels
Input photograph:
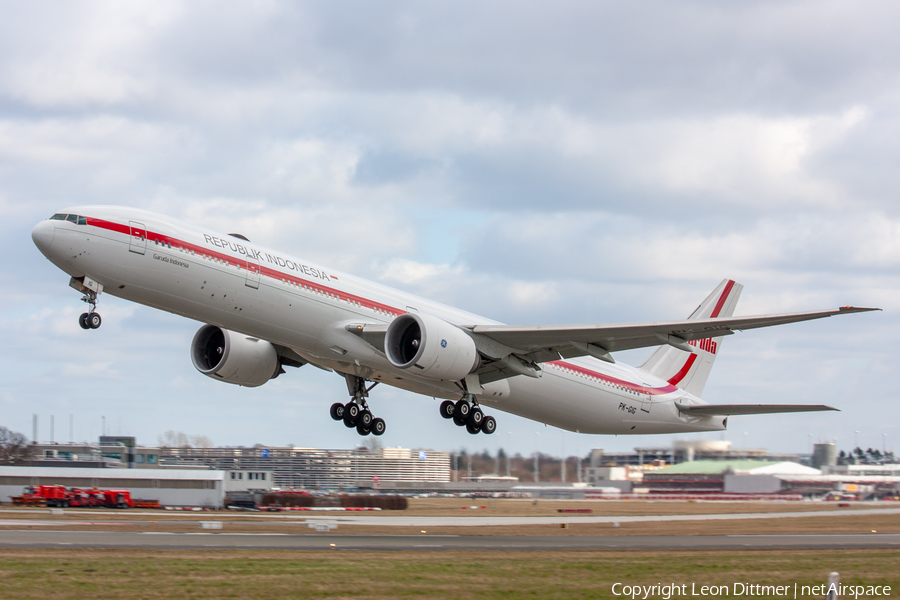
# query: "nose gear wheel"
{"type": "Point", "coordinates": [90, 319]}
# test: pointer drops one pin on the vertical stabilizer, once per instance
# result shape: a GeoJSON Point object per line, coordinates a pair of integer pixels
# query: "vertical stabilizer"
{"type": "Point", "coordinates": [689, 372]}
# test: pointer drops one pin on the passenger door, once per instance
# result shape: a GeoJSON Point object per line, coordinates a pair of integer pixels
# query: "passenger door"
{"type": "Point", "coordinates": [252, 271]}
{"type": "Point", "coordinates": [646, 398]}
{"type": "Point", "coordinates": [138, 243]}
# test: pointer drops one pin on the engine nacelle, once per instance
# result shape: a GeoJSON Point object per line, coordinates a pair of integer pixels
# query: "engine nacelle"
{"type": "Point", "coordinates": [233, 357]}
{"type": "Point", "coordinates": [435, 348]}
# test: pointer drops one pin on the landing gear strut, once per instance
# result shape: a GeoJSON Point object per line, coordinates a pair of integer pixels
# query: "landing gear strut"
{"type": "Point", "coordinates": [90, 319]}
{"type": "Point", "coordinates": [356, 413]}
{"type": "Point", "coordinates": [467, 413]}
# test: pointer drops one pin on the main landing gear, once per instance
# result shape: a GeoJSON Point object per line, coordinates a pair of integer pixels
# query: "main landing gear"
{"type": "Point", "coordinates": [90, 319]}
{"type": "Point", "coordinates": [356, 413]}
{"type": "Point", "coordinates": [466, 413]}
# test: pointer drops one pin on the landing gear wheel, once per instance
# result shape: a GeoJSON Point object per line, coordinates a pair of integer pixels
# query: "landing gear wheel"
{"type": "Point", "coordinates": [83, 321]}
{"type": "Point", "coordinates": [448, 408]}
{"type": "Point", "coordinates": [458, 420]}
{"type": "Point", "coordinates": [475, 417]}
{"type": "Point", "coordinates": [462, 408]}
{"type": "Point", "coordinates": [473, 429]}
{"type": "Point", "coordinates": [362, 429]}
{"type": "Point", "coordinates": [337, 411]}
{"type": "Point", "coordinates": [94, 320]}
{"type": "Point", "coordinates": [351, 412]}
{"type": "Point", "coordinates": [378, 426]}
{"type": "Point", "coordinates": [365, 419]}
{"type": "Point", "coordinates": [488, 425]}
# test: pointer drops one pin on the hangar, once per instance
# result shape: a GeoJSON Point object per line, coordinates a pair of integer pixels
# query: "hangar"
{"type": "Point", "coordinates": [172, 487]}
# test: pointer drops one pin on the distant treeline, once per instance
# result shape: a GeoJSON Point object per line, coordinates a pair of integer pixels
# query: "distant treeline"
{"type": "Point", "coordinates": [346, 501]}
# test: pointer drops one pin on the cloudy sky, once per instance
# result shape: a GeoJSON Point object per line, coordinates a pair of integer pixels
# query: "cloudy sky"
{"type": "Point", "coordinates": [569, 163]}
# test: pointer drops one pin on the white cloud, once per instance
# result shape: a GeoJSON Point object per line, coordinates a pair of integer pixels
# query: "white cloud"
{"type": "Point", "coordinates": [582, 162]}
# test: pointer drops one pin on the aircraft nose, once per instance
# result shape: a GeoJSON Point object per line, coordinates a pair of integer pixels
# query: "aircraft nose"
{"type": "Point", "coordinates": [42, 234]}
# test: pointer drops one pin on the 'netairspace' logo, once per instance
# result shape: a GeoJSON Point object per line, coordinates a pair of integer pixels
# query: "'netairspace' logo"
{"type": "Point", "coordinates": [668, 591]}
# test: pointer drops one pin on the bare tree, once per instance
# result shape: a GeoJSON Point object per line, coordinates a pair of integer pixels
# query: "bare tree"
{"type": "Point", "coordinates": [201, 441]}
{"type": "Point", "coordinates": [178, 439]}
{"type": "Point", "coordinates": [174, 439]}
{"type": "Point", "coordinates": [13, 447]}
{"type": "Point", "coordinates": [372, 443]}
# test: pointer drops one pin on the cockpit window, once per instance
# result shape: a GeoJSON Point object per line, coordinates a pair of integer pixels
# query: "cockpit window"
{"type": "Point", "coordinates": [77, 219]}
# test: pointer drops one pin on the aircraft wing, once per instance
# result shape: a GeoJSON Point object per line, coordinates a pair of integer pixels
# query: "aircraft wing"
{"type": "Point", "coordinates": [748, 409]}
{"type": "Point", "coordinates": [541, 343]}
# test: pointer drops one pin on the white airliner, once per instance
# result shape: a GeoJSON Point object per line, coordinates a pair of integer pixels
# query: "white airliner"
{"type": "Point", "coordinates": [263, 310]}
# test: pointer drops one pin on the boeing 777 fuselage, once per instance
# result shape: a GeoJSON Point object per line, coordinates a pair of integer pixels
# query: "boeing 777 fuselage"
{"type": "Point", "coordinates": [263, 310]}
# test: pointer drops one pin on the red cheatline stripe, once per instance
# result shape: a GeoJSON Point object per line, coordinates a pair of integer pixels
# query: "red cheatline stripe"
{"type": "Point", "coordinates": [242, 263]}
{"type": "Point", "coordinates": [722, 298]}
{"type": "Point", "coordinates": [615, 380]}
{"type": "Point", "coordinates": [684, 370]}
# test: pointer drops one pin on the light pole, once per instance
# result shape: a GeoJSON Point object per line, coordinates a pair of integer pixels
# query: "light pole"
{"type": "Point", "coordinates": [855, 439]}
{"type": "Point", "coordinates": [578, 455]}
{"type": "Point", "coordinates": [536, 459]}
{"type": "Point", "coordinates": [883, 443]}
{"type": "Point", "coordinates": [809, 449]}
{"type": "Point", "coordinates": [508, 453]}
{"type": "Point", "coordinates": [562, 464]}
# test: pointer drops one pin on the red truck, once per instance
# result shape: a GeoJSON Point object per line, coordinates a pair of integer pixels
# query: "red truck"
{"type": "Point", "coordinates": [50, 495]}
{"type": "Point", "coordinates": [59, 496]}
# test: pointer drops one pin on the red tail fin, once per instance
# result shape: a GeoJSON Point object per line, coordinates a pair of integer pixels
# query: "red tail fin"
{"type": "Point", "coordinates": [689, 372]}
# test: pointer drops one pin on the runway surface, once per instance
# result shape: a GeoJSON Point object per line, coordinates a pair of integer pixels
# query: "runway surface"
{"type": "Point", "coordinates": [400, 520]}
{"type": "Point", "coordinates": [477, 521]}
{"type": "Point", "coordinates": [326, 541]}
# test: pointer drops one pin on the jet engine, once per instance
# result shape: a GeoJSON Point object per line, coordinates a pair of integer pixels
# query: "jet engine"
{"type": "Point", "coordinates": [437, 349]}
{"type": "Point", "coordinates": [233, 357]}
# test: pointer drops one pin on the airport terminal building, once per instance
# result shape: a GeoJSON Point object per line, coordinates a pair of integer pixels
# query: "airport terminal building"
{"type": "Point", "coordinates": [310, 468]}
{"type": "Point", "coordinates": [258, 467]}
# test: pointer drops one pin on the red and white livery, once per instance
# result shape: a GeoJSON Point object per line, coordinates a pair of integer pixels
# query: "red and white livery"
{"type": "Point", "coordinates": [263, 310]}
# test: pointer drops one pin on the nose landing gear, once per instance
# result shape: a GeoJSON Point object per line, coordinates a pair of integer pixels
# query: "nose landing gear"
{"type": "Point", "coordinates": [90, 319]}
{"type": "Point", "coordinates": [467, 413]}
{"type": "Point", "coordinates": [356, 413]}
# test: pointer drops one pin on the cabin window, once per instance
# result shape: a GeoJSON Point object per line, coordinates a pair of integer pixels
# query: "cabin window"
{"type": "Point", "coordinates": [58, 217]}
{"type": "Point", "coordinates": [82, 220]}
{"type": "Point", "coordinates": [72, 218]}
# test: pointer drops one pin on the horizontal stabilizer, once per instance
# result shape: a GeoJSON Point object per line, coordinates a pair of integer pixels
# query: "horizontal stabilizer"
{"type": "Point", "coordinates": [748, 409]}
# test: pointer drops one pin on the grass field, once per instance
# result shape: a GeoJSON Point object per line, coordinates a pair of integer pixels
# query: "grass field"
{"type": "Point", "coordinates": [154, 574]}
{"type": "Point", "coordinates": [139, 574]}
